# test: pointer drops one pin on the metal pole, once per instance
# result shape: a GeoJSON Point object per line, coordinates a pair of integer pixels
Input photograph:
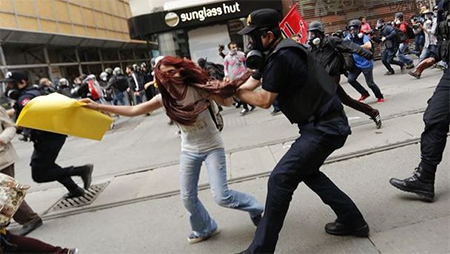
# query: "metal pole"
{"type": "Point", "coordinates": [3, 61]}
{"type": "Point", "coordinates": [49, 66]}
{"type": "Point", "coordinates": [77, 55]}
{"type": "Point", "coordinates": [101, 58]}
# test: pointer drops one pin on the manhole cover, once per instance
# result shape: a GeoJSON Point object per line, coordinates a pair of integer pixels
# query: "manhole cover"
{"type": "Point", "coordinates": [87, 199]}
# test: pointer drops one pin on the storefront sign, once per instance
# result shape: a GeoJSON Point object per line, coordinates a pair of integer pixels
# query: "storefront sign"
{"type": "Point", "coordinates": [192, 17]}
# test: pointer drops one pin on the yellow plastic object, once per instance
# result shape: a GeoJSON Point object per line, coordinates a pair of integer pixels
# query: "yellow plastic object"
{"type": "Point", "coordinates": [61, 114]}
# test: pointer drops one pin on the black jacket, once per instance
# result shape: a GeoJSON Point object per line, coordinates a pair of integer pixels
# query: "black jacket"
{"type": "Point", "coordinates": [330, 50]}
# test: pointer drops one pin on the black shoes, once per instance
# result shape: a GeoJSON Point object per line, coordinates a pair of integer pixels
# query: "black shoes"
{"type": "Point", "coordinates": [416, 184]}
{"type": "Point", "coordinates": [377, 119]}
{"type": "Point", "coordinates": [74, 194]}
{"type": "Point", "coordinates": [28, 228]}
{"type": "Point", "coordinates": [336, 228]}
{"type": "Point", "coordinates": [85, 172]}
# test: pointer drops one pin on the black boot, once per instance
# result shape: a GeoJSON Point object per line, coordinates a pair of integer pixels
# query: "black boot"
{"type": "Point", "coordinates": [85, 172]}
{"type": "Point", "coordinates": [420, 183]}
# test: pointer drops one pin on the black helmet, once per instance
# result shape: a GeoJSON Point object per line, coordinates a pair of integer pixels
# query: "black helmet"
{"type": "Point", "coordinates": [316, 26]}
{"type": "Point", "coordinates": [354, 23]}
{"type": "Point", "coordinates": [399, 15]}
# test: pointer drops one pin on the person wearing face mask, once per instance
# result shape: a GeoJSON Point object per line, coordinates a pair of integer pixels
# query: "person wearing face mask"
{"type": "Point", "coordinates": [329, 52]}
{"type": "Point", "coordinates": [362, 65]}
{"type": "Point", "coordinates": [429, 52]}
{"type": "Point", "coordinates": [186, 92]}
{"type": "Point", "coordinates": [306, 95]}
{"type": "Point", "coordinates": [401, 24]}
{"type": "Point", "coordinates": [234, 68]}
{"type": "Point", "coordinates": [391, 43]}
{"type": "Point", "coordinates": [365, 27]}
{"type": "Point", "coordinates": [437, 121]}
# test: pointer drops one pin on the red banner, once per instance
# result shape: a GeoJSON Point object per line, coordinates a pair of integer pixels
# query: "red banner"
{"type": "Point", "coordinates": [294, 25]}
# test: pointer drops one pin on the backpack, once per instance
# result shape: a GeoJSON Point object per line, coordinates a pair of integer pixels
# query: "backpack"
{"type": "Point", "coordinates": [215, 114]}
{"type": "Point", "coordinates": [400, 35]}
{"type": "Point", "coordinates": [215, 70]}
{"type": "Point", "coordinates": [410, 32]}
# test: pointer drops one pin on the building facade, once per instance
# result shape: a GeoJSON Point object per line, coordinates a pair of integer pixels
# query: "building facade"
{"type": "Point", "coordinates": [195, 28]}
{"type": "Point", "coordinates": [66, 38]}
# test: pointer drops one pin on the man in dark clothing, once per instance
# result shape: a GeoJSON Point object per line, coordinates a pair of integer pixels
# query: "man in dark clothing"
{"type": "Point", "coordinates": [118, 83]}
{"type": "Point", "coordinates": [307, 97]}
{"type": "Point", "coordinates": [437, 121]}
{"type": "Point", "coordinates": [389, 38]}
{"type": "Point", "coordinates": [46, 144]}
{"type": "Point", "coordinates": [136, 84]}
{"type": "Point", "coordinates": [329, 52]}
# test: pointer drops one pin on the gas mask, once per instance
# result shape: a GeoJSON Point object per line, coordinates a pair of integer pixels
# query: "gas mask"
{"type": "Point", "coordinates": [12, 91]}
{"type": "Point", "coordinates": [233, 51]}
{"type": "Point", "coordinates": [256, 57]}
{"type": "Point", "coordinates": [398, 22]}
{"type": "Point", "coordinates": [313, 39]}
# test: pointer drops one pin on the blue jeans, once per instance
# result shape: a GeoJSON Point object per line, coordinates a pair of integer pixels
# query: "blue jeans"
{"type": "Point", "coordinates": [368, 75]}
{"type": "Point", "coordinates": [401, 54]}
{"type": "Point", "coordinates": [190, 163]}
{"type": "Point", "coordinates": [119, 97]}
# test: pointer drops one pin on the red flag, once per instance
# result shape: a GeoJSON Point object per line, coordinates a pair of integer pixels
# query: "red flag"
{"type": "Point", "coordinates": [294, 25]}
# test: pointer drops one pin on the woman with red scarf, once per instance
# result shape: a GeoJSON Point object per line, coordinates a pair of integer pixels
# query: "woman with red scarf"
{"type": "Point", "coordinates": [185, 94]}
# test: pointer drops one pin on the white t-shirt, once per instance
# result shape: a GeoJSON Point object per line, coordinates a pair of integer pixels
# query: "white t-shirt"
{"type": "Point", "coordinates": [203, 135]}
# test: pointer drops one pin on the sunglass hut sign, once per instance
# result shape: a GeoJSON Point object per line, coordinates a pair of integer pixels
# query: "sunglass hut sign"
{"type": "Point", "coordinates": [172, 19]}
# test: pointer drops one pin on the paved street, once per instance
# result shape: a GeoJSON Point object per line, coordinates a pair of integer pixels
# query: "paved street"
{"type": "Point", "coordinates": [139, 210]}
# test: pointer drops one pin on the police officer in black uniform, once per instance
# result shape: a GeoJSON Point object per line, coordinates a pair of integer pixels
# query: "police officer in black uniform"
{"type": "Point", "coordinates": [307, 97]}
{"type": "Point", "coordinates": [436, 118]}
{"type": "Point", "coordinates": [329, 52]}
{"type": "Point", "coordinates": [46, 144]}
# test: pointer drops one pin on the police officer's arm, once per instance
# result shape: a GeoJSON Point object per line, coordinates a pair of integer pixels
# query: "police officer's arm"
{"type": "Point", "coordinates": [136, 110]}
{"type": "Point", "coordinates": [260, 98]}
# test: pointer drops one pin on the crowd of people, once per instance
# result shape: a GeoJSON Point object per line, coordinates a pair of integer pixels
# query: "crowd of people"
{"type": "Point", "coordinates": [301, 81]}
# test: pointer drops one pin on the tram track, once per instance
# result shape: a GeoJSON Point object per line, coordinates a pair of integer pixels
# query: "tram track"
{"type": "Point", "coordinates": [48, 214]}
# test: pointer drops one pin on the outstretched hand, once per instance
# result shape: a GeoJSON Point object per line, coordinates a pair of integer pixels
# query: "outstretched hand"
{"type": "Point", "coordinates": [88, 103]}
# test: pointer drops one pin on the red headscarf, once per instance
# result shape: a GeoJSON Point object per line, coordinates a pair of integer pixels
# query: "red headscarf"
{"type": "Point", "coordinates": [174, 88]}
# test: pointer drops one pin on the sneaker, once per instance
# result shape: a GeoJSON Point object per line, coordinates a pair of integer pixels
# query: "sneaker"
{"type": "Point", "coordinates": [244, 111]}
{"type": "Point", "coordinates": [403, 69]}
{"type": "Point", "coordinates": [377, 119]}
{"type": "Point", "coordinates": [389, 73]}
{"type": "Point", "coordinates": [380, 100]}
{"type": "Point", "coordinates": [193, 238]}
{"type": "Point", "coordinates": [363, 97]}
{"type": "Point", "coordinates": [417, 76]}
{"type": "Point", "coordinates": [73, 251]}
{"type": "Point", "coordinates": [252, 107]}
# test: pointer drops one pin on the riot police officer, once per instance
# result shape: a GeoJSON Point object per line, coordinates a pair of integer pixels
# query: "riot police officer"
{"type": "Point", "coordinates": [437, 121]}
{"type": "Point", "coordinates": [307, 97]}
{"type": "Point", "coordinates": [47, 145]}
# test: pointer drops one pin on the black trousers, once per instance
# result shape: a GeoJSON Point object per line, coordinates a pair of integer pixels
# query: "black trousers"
{"type": "Point", "coordinates": [436, 118]}
{"type": "Point", "coordinates": [43, 167]}
{"type": "Point", "coordinates": [301, 163]}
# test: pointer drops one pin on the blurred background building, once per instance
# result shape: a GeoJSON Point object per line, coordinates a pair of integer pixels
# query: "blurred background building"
{"type": "Point", "coordinates": [195, 28]}
{"type": "Point", "coordinates": [65, 38]}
